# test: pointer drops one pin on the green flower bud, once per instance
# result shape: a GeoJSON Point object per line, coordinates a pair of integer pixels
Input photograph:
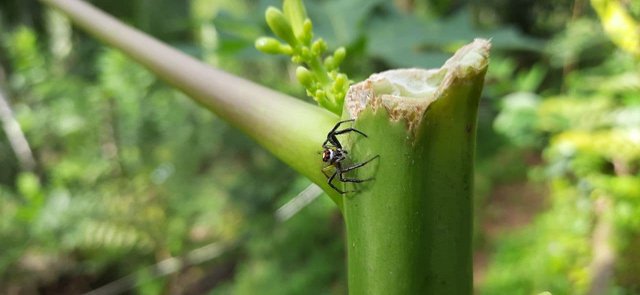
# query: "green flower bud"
{"type": "Point", "coordinates": [304, 77]}
{"type": "Point", "coordinates": [319, 47]}
{"type": "Point", "coordinates": [341, 83]}
{"type": "Point", "coordinates": [280, 26]}
{"type": "Point", "coordinates": [320, 95]}
{"type": "Point", "coordinates": [329, 63]}
{"type": "Point", "coordinates": [272, 46]}
{"type": "Point", "coordinates": [286, 49]}
{"type": "Point", "coordinates": [307, 32]}
{"type": "Point", "coordinates": [339, 55]}
{"type": "Point", "coordinates": [295, 13]}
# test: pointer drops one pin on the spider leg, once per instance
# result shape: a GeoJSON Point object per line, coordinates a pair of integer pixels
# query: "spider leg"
{"type": "Point", "coordinates": [331, 136]}
{"type": "Point", "coordinates": [358, 165]}
{"type": "Point", "coordinates": [350, 129]}
{"type": "Point", "coordinates": [356, 180]}
{"type": "Point", "coordinates": [340, 123]}
{"type": "Point", "coordinates": [333, 140]}
{"type": "Point", "coordinates": [352, 167]}
{"type": "Point", "coordinates": [330, 182]}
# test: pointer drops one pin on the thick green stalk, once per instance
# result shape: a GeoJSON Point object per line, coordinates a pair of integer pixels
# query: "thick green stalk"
{"type": "Point", "coordinates": [409, 231]}
{"type": "Point", "coordinates": [289, 128]}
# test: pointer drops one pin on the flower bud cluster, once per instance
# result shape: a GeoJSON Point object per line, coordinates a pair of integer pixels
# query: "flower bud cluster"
{"type": "Point", "coordinates": [320, 76]}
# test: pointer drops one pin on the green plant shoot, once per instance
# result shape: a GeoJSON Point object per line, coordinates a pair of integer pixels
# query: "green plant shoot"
{"type": "Point", "coordinates": [319, 75]}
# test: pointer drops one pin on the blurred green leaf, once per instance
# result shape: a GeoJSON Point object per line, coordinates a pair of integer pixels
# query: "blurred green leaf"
{"type": "Point", "coordinates": [28, 186]}
{"type": "Point", "coordinates": [518, 119]}
{"type": "Point", "coordinates": [408, 41]}
{"type": "Point", "coordinates": [340, 22]}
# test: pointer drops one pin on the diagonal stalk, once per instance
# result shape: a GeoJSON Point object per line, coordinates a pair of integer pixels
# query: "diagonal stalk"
{"type": "Point", "coordinates": [289, 128]}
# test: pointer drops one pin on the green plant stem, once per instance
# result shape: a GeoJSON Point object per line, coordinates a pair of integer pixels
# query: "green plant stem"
{"type": "Point", "coordinates": [289, 128]}
{"type": "Point", "coordinates": [319, 70]}
{"type": "Point", "coordinates": [409, 231]}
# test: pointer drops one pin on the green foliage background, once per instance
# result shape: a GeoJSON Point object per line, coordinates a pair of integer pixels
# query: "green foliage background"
{"type": "Point", "coordinates": [129, 173]}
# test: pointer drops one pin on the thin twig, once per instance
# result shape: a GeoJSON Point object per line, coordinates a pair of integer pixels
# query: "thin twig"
{"type": "Point", "coordinates": [300, 201]}
{"type": "Point", "coordinates": [165, 267]}
{"type": "Point", "coordinates": [16, 137]}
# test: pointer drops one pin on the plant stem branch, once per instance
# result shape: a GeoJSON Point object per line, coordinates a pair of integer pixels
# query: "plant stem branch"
{"type": "Point", "coordinates": [289, 128]}
{"type": "Point", "coordinates": [16, 137]}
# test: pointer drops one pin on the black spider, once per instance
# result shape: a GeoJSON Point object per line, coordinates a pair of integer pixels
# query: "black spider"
{"type": "Point", "coordinates": [334, 154]}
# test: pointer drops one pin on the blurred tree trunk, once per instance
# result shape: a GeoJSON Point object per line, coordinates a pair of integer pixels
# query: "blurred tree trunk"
{"type": "Point", "coordinates": [404, 5]}
{"type": "Point", "coordinates": [602, 265]}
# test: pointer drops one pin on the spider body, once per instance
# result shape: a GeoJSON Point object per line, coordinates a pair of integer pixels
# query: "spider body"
{"type": "Point", "coordinates": [334, 155]}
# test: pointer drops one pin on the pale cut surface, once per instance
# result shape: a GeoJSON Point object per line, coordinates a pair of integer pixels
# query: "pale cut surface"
{"type": "Point", "coordinates": [406, 93]}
